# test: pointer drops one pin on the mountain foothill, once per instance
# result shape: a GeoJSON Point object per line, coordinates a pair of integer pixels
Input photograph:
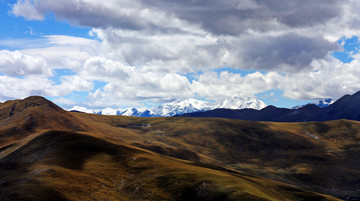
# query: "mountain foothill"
{"type": "Point", "coordinates": [309, 153]}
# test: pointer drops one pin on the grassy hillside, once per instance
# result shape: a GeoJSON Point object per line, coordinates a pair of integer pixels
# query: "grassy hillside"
{"type": "Point", "coordinates": [320, 156]}
{"type": "Point", "coordinates": [59, 165]}
{"type": "Point", "coordinates": [60, 155]}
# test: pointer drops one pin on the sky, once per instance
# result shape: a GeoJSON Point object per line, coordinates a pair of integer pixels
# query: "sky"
{"type": "Point", "coordinates": [140, 53]}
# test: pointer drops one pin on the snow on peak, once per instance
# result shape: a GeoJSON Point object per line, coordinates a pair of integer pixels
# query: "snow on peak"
{"type": "Point", "coordinates": [237, 102]}
{"type": "Point", "coordinates": [81, 109]}
{"type": "Point", "coordinates": [179, 107]}
{"type": "Point", "coordinates": [142, 112]}
{"type": "Point", "coordinates": [320, 103]}
{"type": "Point", "coordinates": [128, 112]}
{"type": "Point", "coordinates": [109, 111]}
{"type": "Point", "coordinates": [325, 102]}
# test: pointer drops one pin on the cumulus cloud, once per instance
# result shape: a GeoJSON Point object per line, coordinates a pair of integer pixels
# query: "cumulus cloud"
{"type": "Point", "coordinates": [127, 14]}
{"type": "Point", "coordinates": [145, 48]}
{"type": "Point", "coordinates": [14, 87]}
{"type": "Point", "coordinates": [287, 53]}
{"type": "Point", "coordinates": [11, 87]}
{"type": "Point", "coordinates": [27, 9]}
{"type": "Point", "coordinates": [102, 69]}
{"type": "Point", "coordinates": [19, 64]}
{"type": "Point", "coordinates": [328, 78]}
{"type": "Point", "coordinates": [215, 16]}
{"type": "Point", "coordinates": [70, 84]}
{"type": "Point", "coordinates": [217, 86]}
{"type": "Point", "coordinates": [127, 84]}
{"type": "Point", "coordinates": [183, 35]}
{"type": "Point", "coordinates": [64, 102]}
{"type": "Point", "coordinates": [62, 51]}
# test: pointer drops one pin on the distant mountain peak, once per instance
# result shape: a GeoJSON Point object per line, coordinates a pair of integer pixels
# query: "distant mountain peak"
{"type": "Point", "coordinates": [325, 102]}
{"type": "Point", "coordinates": [346, 107]}
{"type": "Point", "coordinates": [322, 103]}
{"type": "Point", "coordinates": [181, 106]}
{"type": "Point", "coordinates": [236, 102]}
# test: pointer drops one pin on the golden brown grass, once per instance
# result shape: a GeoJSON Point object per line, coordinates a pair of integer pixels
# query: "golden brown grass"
{"type": "Point", "coordinates": [79, 167]}
{"type": "Point", "coordinates": [58, 155]}
{"type": "Point", "coordinates": [302, 154]}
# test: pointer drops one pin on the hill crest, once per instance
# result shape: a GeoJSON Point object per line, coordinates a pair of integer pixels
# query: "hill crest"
{"type": "Point", "coordinates": [20, 118]}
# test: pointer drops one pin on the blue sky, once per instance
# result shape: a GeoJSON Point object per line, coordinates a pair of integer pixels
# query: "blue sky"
{"type": "Point", "coordinates": [135, 54]}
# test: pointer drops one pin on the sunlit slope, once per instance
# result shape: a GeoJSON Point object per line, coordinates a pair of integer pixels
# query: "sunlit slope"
{"type": "Point", "coordinates": [19, 118]}
{"type": "Point", "coordinates": [320, 156]}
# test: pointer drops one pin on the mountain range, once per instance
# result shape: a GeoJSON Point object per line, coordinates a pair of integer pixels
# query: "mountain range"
{"type": "Point", "coordinates": [179, 107]}
{"type": "Point", "coordinates": [347, 107]}
{"type": "Point", "coordinates": [47, 153]}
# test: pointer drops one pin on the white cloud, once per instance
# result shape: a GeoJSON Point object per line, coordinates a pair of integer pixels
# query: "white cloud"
{"type": "Point", "coordinates": [63, 51]}
{"type": "Point", "coordinates": [19, 64]}
{"type": "Point", "coordinates": [169, 53]}
{"type": "Point", "coordinates": [179, 36]}
{"type": "Point", "coordinates": [217, 86]}
{"type": "Point", "coordinates": [64, 101]}
{"type": "Point", "coordinates": [70, 84]}
{"type": "Point", "coordinates": [27, 9]}
{"type": "Point", "coordinates": [141, 87]}
{"type": "Point", "coordinates": [328, 78]}
{"type": "Point", "coordinates": [145, 48]}
{"type": "Point", "coordinates": [100, 68]}
{"type": "Point", "coordinates": [12, 87]}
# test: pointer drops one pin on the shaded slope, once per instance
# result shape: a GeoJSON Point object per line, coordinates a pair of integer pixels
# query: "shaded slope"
{"type": "Point", "coordinates": [347, 107]}
{"type": "Point", "coordinates": [71, 166]}
{"type": "Point", "coordinates": [269, 113]}
{"type": "Point", "coordinates": [298, 153]}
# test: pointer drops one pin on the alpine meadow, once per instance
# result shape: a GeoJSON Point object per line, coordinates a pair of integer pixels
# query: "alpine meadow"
{"type": "Point", "coordinates": [192, 100]}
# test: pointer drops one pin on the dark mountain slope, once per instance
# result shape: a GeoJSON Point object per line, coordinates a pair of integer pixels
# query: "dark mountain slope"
{"type": "Point", "coordinates": [347, 107]}
{"type": "Point", "coordinates": [309, 112]}
{"type": "Point", "coordinates": [266, 114]}
{"type": "Point", "coordinates": [270, 112]}
{"type": "Point", "coordinates": [60, 165]}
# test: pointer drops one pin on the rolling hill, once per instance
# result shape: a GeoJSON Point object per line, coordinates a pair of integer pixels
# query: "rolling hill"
{"type": "Point", "coordinates": [47, 153]}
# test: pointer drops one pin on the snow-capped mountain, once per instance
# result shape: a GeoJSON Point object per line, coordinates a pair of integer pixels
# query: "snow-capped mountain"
{"type": "Point", "coordinates": [137, 112]}
{"type": "Point", "coordinates": [325, 102]}
{"type": "Point", "coordinates": [107, 111]}
{"type": "Point", "coordinates": [81, 109]}
{"type": "Point", "coordinates": [143, 112]}
{"type": "Point", "coordinates": [180, 107]}
{"type": "Point", "coordinates": [320, 103]}
{"type": "Point", "coordinates": [236, 102]}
